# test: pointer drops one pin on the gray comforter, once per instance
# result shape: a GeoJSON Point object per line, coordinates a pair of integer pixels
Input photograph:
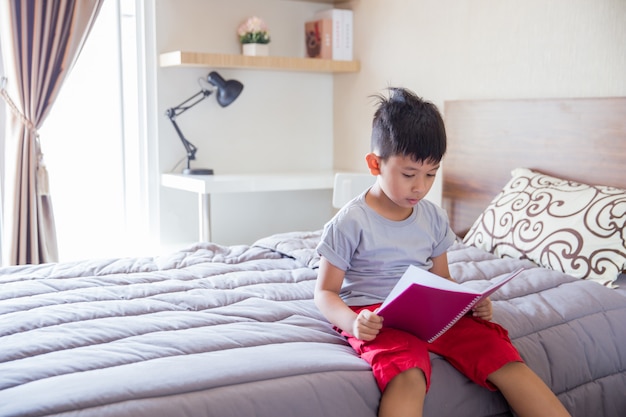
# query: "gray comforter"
{"type": "Point", "coordinates": [233, 331]}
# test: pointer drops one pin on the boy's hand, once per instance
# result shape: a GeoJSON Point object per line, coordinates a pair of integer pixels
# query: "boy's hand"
{"type": "Point", "coordinates": [483, 310]}
{"type": "Point", "coordinates": [367, 325]}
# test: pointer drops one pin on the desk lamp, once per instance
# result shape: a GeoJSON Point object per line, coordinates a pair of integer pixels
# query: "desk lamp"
{"type": "Point", "coordinates": [225, 91]}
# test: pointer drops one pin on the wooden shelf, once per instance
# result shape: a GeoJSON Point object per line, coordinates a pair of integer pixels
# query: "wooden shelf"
{"type": "Point", "coordinates": [325, 1]}
{"type": "Point", "coordinates": [279, 63]}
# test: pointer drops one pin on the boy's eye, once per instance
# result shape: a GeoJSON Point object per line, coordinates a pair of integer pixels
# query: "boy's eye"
{"type": "Point", "coordinates": [408, 175]}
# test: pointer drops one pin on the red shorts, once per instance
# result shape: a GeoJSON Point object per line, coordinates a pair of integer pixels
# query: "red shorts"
{"type": "Point", "coordinates": [474, 346]}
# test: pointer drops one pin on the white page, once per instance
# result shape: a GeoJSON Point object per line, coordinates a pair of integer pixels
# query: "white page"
{"type": "Point", "coordinates": [426, 278]}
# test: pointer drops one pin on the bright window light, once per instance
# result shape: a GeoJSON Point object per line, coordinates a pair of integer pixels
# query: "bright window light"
{"type": "Point", "coordinates": [90, 144]}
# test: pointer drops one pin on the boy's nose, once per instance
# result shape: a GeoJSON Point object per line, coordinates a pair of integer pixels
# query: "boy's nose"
{"type": "Point", "coordinates": [419, 185]}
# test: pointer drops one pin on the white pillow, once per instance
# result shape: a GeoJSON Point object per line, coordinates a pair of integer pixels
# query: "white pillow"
{"type": "Point", "coordinates": [562, 225]}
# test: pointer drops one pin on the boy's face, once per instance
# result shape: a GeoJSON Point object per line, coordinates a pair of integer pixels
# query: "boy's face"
{"type": "Point", "coordinates": [405, 181]}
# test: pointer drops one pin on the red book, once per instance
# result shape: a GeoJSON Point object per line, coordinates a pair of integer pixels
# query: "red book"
{"type": "Point", "coordinates": [319, 38]}
{"type": "Point", "coordinates": [427, 305]}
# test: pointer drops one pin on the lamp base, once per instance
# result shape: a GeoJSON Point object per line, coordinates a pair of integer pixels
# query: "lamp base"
{"type": "Point", "coordinates": [197, 171]}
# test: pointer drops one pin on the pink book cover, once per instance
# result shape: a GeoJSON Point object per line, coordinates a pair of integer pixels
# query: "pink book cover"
{"type": "Point", "coordinates": [427, 305]}
{"type": "Point", "coordinates": [319, 38]}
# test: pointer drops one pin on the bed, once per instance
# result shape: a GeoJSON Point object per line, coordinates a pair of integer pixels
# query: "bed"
{"type": "Point", "coordinates": [232, 330]}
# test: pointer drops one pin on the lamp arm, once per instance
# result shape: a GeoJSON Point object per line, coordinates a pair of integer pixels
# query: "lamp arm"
{"type": "Point", "coordinates": [189, 147]}
{"type": "Point", "coordinates": [174, 112]}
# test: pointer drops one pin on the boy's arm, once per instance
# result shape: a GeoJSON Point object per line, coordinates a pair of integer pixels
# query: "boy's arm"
{"type": "Point", "coordinates": [440, 267]}
{"type": "Point", "coordinates": [364, 326]}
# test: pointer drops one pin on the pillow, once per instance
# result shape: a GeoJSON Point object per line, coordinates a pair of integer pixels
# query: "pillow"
{"type": "Point", "coordinates": [562, 225]}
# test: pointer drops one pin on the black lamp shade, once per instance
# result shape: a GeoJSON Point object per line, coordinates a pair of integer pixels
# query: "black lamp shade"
{"type": "Point", "coordinates": [227, 91]}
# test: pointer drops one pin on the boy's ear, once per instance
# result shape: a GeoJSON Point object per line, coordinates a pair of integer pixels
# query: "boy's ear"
{"type": "Point", "coordinates": [373, 163]}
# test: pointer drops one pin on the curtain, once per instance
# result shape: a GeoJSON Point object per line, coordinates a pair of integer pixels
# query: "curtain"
{"type": "Point", "coordinates": [41, 40]}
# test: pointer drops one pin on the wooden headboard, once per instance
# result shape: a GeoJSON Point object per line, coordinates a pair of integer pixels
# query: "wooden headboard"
{"type": "Point", "coordinates": [578, 139]}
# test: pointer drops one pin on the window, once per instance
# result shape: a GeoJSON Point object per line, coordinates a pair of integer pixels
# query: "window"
{"type": "Point", "coordinates": [92, 144]}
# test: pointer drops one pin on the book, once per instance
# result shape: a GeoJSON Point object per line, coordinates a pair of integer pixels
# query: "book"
{"type": "Point", "coordinates": [347, 19]}
{"type": "Point", "coordinates": [342, 22]}
{"type": "Point", "coordinates": [319, 38]}
{"type": "Point", "coordinates": [427, 305]}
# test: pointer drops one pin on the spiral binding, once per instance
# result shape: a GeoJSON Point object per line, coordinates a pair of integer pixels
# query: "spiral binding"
{"type": "Point", "coordinates": [455, 319]}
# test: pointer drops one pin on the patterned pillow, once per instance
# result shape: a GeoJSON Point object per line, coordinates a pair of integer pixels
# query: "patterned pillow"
{"type": "Point", "coordinates": [562, 225]}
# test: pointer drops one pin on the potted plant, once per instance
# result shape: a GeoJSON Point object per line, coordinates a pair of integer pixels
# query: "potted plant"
{"type": "Point", "coordinates": [254, 36]}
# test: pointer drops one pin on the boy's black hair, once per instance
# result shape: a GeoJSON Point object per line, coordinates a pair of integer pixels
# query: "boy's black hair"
{"type": "Point", "coordinates": [405, 124]}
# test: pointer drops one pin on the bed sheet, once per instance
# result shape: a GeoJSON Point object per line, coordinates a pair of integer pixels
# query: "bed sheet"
{"type": "Point", "coordinates": [233, 331]}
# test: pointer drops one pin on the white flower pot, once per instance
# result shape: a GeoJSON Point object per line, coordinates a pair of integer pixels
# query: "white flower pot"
{"type": "Point", "coordinates": [256, 49]}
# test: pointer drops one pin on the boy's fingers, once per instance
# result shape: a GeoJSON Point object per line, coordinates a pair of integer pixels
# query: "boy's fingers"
{"type": "Point", "coordinates": [372, 317]}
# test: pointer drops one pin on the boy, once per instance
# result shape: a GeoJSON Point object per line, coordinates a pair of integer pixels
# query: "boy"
{"type": "Point", "coordinates": [369, 244]}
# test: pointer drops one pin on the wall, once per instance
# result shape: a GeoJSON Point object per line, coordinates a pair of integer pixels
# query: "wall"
{"type": "Point", "coordinates": [477, 49]}
{"type": "Point", "coordinates": [282, 122]}
{"type": "Point", "coordinates": [442, 49]}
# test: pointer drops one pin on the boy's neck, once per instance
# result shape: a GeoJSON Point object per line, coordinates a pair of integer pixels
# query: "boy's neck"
{"type": "Point", "coordinates": [377, 200]}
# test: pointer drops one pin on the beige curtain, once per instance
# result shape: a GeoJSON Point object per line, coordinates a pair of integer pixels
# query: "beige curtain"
{"type": "Point", "coordinates": [41, 40]}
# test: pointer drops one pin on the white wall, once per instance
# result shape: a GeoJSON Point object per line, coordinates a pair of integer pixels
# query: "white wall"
{"type": "Point", "coordinates": [283, 121]}
{"type": "Point", "coordinates": [475, 49]}
{"type": "Point", "coordinates": [442, 49]}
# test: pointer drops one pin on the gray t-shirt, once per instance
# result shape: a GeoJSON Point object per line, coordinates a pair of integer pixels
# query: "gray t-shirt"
{"type": "Point", "coordinates": [375, 251]}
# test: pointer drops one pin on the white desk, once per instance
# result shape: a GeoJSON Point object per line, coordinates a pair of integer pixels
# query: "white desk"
{"type": "Point", "coordinates": [205, 185]}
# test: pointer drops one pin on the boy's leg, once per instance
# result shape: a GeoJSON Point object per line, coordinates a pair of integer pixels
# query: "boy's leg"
{"type": "Point", "coordinates": [525, 392]}
{"type": "Point", "coordinates": [404, 395]}
{"type": "Point", "coordinates": [483, 352]}
{"type": "Point", "coordinates": [392, 353]}
{"type": "Point", "coordinates": [476, 348]}
{"type": "Point", "coordinates": [401, 366]}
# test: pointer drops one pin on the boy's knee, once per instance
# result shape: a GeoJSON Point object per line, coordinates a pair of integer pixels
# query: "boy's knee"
{"type": "Point", "coordinates": [413, 378]}
{"type": "Point", "coordinates": [510, 371]}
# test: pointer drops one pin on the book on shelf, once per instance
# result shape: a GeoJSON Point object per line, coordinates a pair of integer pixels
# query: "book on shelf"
{"type": "Point", "coordinates": [348, 33]}
{"type": "Point", "coordinates": [319, 38]}
{"type": "Point", "coordinates": [342, 32]}
{"type": "Point", "coordinates": [427, 305]}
